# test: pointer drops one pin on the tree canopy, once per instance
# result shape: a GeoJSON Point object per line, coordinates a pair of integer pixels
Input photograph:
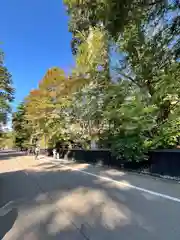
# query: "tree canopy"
{"type": "Point", "coordinates": [124, 89]}
{"type": "Point", "coordinates": [21, 128]}
{"type": "Point", "coordinates": [6, 91]}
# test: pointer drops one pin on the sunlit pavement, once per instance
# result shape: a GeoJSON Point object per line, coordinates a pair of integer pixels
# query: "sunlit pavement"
{"type": "Point", "coordinates": [45, 199]}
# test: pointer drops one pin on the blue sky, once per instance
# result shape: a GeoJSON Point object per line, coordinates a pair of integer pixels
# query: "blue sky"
{"type": "Point", "coordinates": [35, 37]}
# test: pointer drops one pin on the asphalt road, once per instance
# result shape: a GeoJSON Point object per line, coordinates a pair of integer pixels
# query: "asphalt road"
{"type": "Point", "coordinates": [60, 200]}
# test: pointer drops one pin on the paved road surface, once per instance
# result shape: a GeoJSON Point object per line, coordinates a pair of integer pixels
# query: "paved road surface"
{"type": "Point", "coordinates": [52, 200]}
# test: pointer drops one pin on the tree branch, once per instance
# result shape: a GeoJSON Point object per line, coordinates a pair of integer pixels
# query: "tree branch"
{"type": "Point", "coordinates": [130, 79]}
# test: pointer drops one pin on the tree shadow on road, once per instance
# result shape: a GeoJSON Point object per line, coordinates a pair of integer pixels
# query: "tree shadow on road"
{"type": "Point", "coordinates": [9, 155]}
{"type": "Point", "coordinates": [7, 221]}
{"type": "Point", "coordinates": [55, 202]}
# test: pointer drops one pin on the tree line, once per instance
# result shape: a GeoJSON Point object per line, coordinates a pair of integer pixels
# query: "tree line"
{"type": "Point", "coordinates": [124, 90]}
{"type": "Point", "coordinates": [6, 97]}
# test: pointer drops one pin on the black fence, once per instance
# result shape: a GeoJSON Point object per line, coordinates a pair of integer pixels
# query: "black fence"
{"type": "Point", "coordinates": [99, 156]}
{"type": "Point", "coordinates": [89, 156]}
{"type": "Point", "coordinates": [165, 162]}
{"type": "Point", "coordinates": [161, 162]}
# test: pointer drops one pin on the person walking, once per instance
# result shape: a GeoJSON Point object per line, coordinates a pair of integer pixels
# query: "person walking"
{"type": "Point", "coordinates": [54, 153]}
{"type": "Point", "coordinates": [57, 153]}
{"type": "Point", "coordinates": [36, 152]}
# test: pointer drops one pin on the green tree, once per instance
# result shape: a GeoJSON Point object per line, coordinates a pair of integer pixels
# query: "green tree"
{"type": "Point", "coordinates": [113, 15]}
{"type": "Point", "coordinates": [7, 139]}
{"type": "Point", "coordinates": [21, 127]}
{"type": "Point", "coordinates": [131, 108]}
{"type": "Point", "coordinates": [142, 101]}
{"type": "Point", "coordinates": [6, 90]}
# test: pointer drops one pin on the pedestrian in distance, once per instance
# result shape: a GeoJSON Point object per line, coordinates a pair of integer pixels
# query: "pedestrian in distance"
{"type": "Point", "coordinates": [36, 152]}
{"type": "Point", "coordinates": [54, 153]}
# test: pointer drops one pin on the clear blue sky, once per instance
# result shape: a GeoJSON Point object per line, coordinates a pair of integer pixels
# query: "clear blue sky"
{"type": "Point", "coordinates": [35, 37]}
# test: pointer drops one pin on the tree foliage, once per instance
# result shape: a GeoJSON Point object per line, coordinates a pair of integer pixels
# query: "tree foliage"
{"type": "Point", "coordinates": [21, 128]}
{"type": "Point", "coordinates": [6, 90]}
{"type": "Point", "coordinates": [6, 140]}
{"type": "Point", "coordinates": [124, 90]}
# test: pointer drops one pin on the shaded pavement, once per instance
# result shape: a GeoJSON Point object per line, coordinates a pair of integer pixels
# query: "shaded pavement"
{"type": "Point", "coordinates": [54, 200]}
